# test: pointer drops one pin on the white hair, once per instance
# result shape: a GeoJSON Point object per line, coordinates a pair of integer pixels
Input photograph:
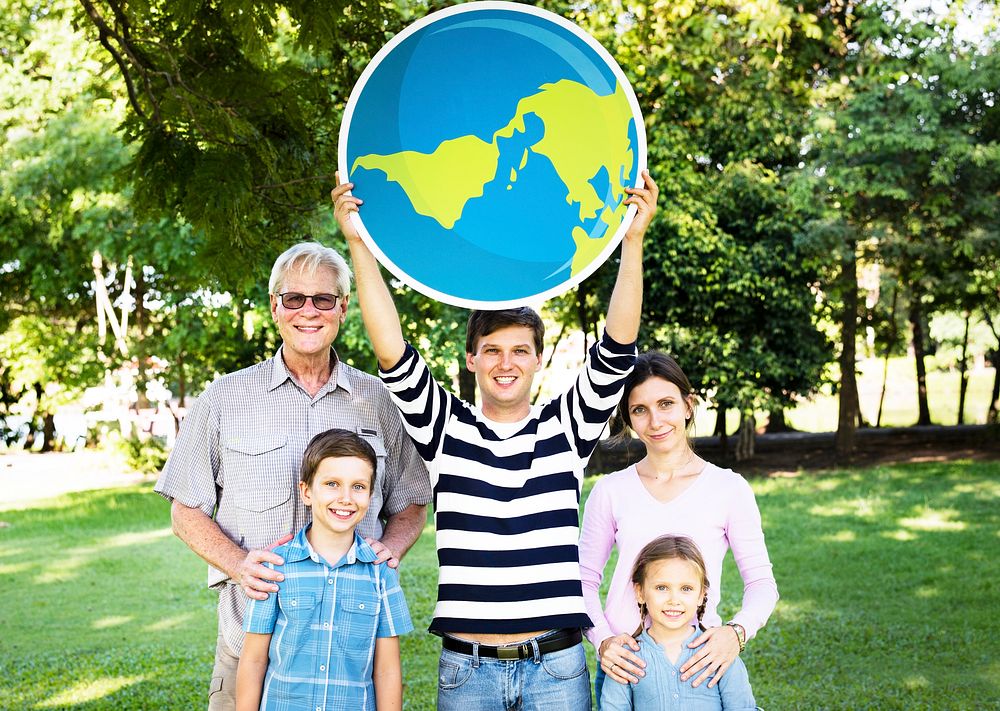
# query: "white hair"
{"type": "Point", "coordinates": [306, 258]}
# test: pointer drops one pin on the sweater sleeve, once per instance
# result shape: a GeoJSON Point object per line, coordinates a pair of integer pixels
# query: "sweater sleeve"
{"type": "Point", "coordinates": [746, 539]}
{"type": "Point", "coordinates": [597, 536]}
{"type": "Point", "coordinates": [423, 403]}
{"type": "Point", "coordinates": [588, 405]}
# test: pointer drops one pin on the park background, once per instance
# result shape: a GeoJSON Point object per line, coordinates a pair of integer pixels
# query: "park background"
{"type": "Point", "coordinates": [826, 257]}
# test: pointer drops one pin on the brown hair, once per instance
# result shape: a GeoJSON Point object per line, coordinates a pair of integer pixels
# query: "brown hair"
{"type": "Point", "coordinates": [483, 323]}
{"type": "Point", "coordinates": [653, 364]}
{"type": "Point", "coordinates": [667, 548]}
{"type": "Point", "coordinates": [336, 443]}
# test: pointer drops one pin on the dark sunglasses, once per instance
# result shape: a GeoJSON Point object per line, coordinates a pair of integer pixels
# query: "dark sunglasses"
{"type": "Point", "coordinates": [323, 302]}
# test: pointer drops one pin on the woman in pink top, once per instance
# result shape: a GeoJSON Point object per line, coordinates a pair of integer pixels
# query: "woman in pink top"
{"type": "Point", "coordinates": [670, 491]}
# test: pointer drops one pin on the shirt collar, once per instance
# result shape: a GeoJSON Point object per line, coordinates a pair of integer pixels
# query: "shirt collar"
{"type": "Point", "coordinates": [695, 631]}
{"type": "Point", "coordinates": [280, 373]}
{"type": "Point", "coordinates": [299, 548]}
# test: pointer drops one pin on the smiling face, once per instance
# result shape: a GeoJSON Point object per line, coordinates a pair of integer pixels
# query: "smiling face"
{"type": "Point", "coordinates": [339, 494]}
{"type": "Point", "coordinates": [672, 590]}
{"type": "Point", "coordinates": [659, 414]}
{"type": "Point", "coordinates": [307, 332]}
{"type": "Point", "coordinates": [505, 363]}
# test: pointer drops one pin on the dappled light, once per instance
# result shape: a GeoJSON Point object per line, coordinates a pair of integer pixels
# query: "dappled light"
{"type": "Point", "coordinates": [87, 691]}
{"type": "Point", "coordinates": [934, 520]}
{"type": "Point", "coordinates": [171, 622]}
{"type": "Point", "coordinates": [114, 621]}
{"type": "Point", "coordinates": [75, 561]}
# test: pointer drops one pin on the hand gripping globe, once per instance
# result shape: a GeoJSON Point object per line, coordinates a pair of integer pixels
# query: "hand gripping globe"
{"type": "Point", "coordinates": [492, 144]}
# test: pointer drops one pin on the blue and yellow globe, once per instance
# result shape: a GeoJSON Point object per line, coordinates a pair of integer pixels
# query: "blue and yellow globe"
{"type": "Point", "coordinates": [492, 144]}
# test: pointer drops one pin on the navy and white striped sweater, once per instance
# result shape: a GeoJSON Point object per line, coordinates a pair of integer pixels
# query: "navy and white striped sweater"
{"type": "Point", "coordinates": [506, 495]}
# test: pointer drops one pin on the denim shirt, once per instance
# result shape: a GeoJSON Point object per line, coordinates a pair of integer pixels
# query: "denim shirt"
{"type": "Point", "coordinates": [663, 689]}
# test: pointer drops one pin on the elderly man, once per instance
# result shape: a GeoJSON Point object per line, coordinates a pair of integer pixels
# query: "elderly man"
{"type": "Point", "coordinates": [231, 477]}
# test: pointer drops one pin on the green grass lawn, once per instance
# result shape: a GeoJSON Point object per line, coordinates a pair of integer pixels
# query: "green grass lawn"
{"type": "Point", "coordinates": [888, 577]}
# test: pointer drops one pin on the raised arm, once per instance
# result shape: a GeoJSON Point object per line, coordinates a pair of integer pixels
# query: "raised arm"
{"type": "Point", "coordinates": [625, 307]}
{"type": "Point", "coordinates": [377, 308]}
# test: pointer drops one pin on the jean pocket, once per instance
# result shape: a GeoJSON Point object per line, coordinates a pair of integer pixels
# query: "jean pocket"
{"type": "Point", "coordinates": [566, 664]}
{"type": "Point", "coordinates": [453, 671]}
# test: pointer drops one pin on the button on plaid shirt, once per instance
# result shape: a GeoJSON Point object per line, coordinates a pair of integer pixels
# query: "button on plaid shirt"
{"type": "Point", "coordinates": [238, 454]}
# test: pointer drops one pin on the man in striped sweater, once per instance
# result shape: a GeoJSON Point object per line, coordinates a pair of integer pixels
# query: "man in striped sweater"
{"type": "Point", "coordinates": [506, 477]}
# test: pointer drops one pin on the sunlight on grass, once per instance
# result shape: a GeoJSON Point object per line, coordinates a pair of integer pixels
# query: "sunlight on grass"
{"type": "Point", "coordinates": [90, 690]}
{"type": "Point", "coordinates": [68, 568]}
{"type": "Point", "coordinates": [934, 520]}
{"type": "Point", "coordinates": [796, 611]}
{"type": "Point", "coordinates": [917, 682]}
{"type": "Point", "coordinates": [113, 621]}
{"type": "Point", "coordinates": [168, 623]}
{"type": "Point", "coordinates": [844, 536]}
{"type": "Point", "coordinates": [866, 507]}
{"type": "Point", "coordinates": [900, 535]}
{"type": "Point", "coordinates": [926, 592]}
{"type": "Point", "coordinates": [12, 568]}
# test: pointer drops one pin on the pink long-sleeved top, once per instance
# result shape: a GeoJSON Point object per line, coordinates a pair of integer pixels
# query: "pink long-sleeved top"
{"type": "Point", "coordinates": [718, 511]}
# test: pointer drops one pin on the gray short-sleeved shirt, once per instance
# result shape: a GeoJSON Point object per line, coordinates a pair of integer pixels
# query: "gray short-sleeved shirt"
{"type": "Point", "coordinates": [239, 450]}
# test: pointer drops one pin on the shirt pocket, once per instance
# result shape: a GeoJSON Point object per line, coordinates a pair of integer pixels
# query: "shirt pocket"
{"type": "Point", "coordinates": [259, 477]}
{"type": "Point", "coordinates": [358, 619]}
{"type": "Point", "coordinates": [299, 611]}
{"type": "Point", "coordinates": [373, 438]}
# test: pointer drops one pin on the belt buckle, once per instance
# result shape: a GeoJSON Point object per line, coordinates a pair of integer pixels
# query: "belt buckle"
{"type": "Point", "coordinates": [513, 652]}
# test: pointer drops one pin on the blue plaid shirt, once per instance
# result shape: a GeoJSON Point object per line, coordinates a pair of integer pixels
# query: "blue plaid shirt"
{"type": "Point", "coordinates": [323, 623]}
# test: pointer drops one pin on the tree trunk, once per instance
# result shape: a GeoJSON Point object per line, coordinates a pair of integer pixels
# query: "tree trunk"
{"type": "Point", "coordinates": [847, 418]}
{"type": "Point", "coordinates": [994, 408]}
{"type": "Point", "coordinates": [142, 402]}
{"type": "Point", "coordinates": [919, 354]}
{"type": "Point", "coordinates": [720, 430]}
{"type": "Point", "coordinates": [776, 421]}
{"type": "Point", "coordinates": [181, 382]}
{"type": "Point", "coordinates": [48, 432]}
{"type": "Point", "coordinates": [888, 351]}
{"type": "Point", "coordinates": [466, 383]}
{"type": "Point", "coordinates": [746, 436]}
{"type": "Point", "coordinates": [963, 370]}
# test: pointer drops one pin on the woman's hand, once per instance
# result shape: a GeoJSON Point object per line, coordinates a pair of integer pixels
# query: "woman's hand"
{"type": "Point", "coordinates": [618, 662]}
{"type": "Point", "coordinates": [722, 646]}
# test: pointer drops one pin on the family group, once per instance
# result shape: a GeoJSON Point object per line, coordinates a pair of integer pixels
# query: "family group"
{"type": "Point", "coordinates": [303, 482]}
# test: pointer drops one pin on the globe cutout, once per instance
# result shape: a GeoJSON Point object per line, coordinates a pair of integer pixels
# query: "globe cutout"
{"type": "Point", "coordinates": [492, 144]}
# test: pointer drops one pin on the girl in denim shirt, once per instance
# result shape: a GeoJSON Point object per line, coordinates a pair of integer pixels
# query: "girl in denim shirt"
{"type": "Point", "coordinates": [671, 588]}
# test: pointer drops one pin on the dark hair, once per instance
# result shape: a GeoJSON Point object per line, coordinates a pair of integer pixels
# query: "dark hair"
{"type": "Point", "coordinates": [652, 364]}
{"type": "Point", "coordinates": [483, 323]}
{"type": "Point", "coordinates": [336, 443]}
{"type": "Point", "coordinates": [667, 548]}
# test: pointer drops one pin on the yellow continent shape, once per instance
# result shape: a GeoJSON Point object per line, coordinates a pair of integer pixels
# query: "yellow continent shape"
{"type": "Point", "coordinates": [584, 132]}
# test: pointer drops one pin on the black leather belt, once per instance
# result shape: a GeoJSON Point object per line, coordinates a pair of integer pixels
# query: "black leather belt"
{"type": "Point", "coordinates": [552, 642]}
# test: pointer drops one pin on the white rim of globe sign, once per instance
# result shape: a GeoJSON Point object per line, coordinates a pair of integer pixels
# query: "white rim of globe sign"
{"type": "Point", "coordinates": [563, 23]}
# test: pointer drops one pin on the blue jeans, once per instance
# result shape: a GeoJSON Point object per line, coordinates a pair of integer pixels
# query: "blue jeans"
{"type": "Point", "coordinates": [556, 681]}
{"type": "Point", "coordinates": [599, 678]}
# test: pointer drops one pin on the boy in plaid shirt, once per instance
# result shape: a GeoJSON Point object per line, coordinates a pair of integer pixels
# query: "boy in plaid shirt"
{"type": "Point", "coordinates": [329, 638]}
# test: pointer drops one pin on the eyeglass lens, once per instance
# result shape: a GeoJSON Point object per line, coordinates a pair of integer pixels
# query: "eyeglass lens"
{"type": "Point", "coordinates": [323, 302]}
